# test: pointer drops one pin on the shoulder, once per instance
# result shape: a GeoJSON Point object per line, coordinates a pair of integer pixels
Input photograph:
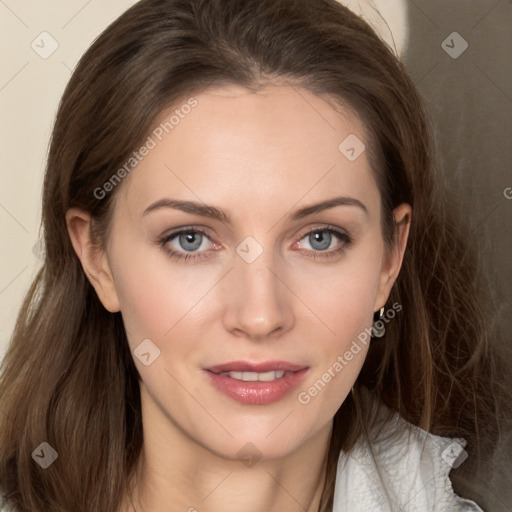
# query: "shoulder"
{"type": "Point", "coordinates": [402, 467]}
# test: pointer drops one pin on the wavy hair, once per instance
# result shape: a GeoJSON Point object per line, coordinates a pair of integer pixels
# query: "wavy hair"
{"type": "Point", "coordinates": [68, 377]}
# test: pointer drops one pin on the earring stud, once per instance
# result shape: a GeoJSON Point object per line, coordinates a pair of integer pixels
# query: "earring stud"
{"type": "Point", "coordinates": [378, 328]}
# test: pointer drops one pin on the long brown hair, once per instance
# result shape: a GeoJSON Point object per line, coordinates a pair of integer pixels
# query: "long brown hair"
{"type": "Point", "coordinates": [68, 376]}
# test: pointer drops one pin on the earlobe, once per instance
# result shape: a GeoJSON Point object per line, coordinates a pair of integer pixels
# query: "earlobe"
{"type": "Point", "coordinates": [93, 259]}
{"type": "Point", "coordinates": [393, 258]}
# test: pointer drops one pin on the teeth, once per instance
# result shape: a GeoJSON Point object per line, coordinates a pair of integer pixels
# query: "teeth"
{"type": "Point", "coordinates": [270, 375]}
{"type": "Point", "coordinates": [254, 376]}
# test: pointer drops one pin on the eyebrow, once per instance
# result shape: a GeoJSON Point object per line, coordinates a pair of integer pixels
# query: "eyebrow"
{"type": "Point", "coordinates": [218, 214]}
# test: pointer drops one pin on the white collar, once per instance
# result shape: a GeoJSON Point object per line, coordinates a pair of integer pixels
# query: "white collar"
{"type": "Point", "coordinates": [414, 467]}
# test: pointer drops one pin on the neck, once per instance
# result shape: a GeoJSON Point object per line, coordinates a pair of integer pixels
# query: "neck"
{"type": "Point", "coordinates": [175, 473]}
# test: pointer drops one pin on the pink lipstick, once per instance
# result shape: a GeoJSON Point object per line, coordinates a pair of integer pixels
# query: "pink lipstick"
{"type": "Point", "coordinates": [256, 383]}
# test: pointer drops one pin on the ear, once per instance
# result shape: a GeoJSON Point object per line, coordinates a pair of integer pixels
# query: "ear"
{"type": "Point", "coordinates": [393, 258]}
{"type": "Point", "coordinates": [94, 260]}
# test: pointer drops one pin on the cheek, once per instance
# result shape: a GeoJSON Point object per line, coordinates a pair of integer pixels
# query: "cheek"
{"type": "Point", "coordinates": [156, 294]}
{"type": "Point", "coordinates": [342, 296]}
{"type": "Point", "coordinates": [343, 299]}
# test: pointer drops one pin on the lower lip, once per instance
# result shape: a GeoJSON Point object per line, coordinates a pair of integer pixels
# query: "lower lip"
{"type": "Point", "coordinates": [256, 392]}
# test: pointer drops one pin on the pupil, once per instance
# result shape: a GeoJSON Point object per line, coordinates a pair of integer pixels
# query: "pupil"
{"type": "Point", "coordinates": [189, 239]}
{"type": "Point", "coordinates": [322, 239]}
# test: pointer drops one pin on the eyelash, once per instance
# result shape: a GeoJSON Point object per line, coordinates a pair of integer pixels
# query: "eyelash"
{"type": "Point", "coordinates": [344, 237]}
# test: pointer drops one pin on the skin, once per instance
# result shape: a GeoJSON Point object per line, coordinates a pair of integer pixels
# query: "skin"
{"type": "Point", "coordinates": [258, 156]}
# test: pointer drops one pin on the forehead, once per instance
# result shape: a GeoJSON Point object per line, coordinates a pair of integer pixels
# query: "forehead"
{"type": "Point", "coordinates": [252, 150]}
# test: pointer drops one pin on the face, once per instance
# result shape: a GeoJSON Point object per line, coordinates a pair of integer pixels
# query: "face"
{"type": "Point", "coordinates": [266, 285]}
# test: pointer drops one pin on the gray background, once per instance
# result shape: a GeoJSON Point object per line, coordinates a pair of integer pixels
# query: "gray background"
{"type": "Point", "coordinates": [470, 100]}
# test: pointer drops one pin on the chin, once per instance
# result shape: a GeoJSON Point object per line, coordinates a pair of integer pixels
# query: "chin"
{"type": "Point", "coordinates": [262, 440]}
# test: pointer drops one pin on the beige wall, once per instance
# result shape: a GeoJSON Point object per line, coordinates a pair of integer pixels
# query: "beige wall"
{"type": "Point", "coordinates": [30, 89]}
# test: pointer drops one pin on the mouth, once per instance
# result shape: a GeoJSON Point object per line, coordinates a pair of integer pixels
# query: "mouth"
{"type": "Point", "coordinates": [256, 384]}
{"type": "Point", "coordinates": [257, 376]}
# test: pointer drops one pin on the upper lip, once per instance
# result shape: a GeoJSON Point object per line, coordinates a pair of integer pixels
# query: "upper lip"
{"type": "Point", "coordinates": [266, 366]}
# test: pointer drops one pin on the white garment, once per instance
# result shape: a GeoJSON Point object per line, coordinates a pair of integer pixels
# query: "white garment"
{"type": "Point", "coordinates": [414, 466]}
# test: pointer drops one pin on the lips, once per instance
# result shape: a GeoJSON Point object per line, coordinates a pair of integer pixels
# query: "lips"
{"type": "Point", "coordinates": [256, 383]}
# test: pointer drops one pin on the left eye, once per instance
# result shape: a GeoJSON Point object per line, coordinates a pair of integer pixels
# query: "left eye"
{"type": "Point", "coordinates": [320, 240]}
{"type": "Point", "coordinates": [189, 241]}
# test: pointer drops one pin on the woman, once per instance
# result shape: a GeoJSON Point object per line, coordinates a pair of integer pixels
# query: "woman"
{"type": "Point", "coordinates": [252, 296]}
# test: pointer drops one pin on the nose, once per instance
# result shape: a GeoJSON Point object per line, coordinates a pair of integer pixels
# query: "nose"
{"type": "Point", "coordinates": [258, 302]}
